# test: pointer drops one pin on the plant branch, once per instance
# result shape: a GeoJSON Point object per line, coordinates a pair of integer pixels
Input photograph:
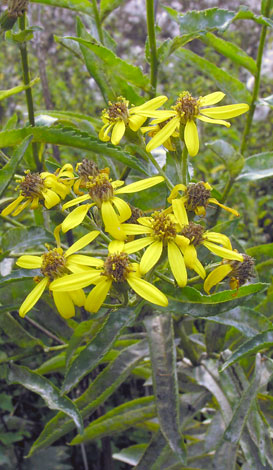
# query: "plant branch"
{"type": "Point", "coordinates": [152, 44]}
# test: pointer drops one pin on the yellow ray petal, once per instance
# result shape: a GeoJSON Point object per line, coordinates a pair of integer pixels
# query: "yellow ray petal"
{"type": "Point", "coordinates": [135, 122]}
{"type": "Point", "coordinates": [81, 243]}
{"type": "Point", "coordinates": [175, 191]}
{"type": "Point", "coordinates": [147, 291]}
{"type": "Point", "coordinates": [84, 260]}
{"type": "Point", "coordinates": [213, 121]}
{"type": "Point", "coordinates": [64, 304]}
{"type": "Point", "coordinates": [10, 208]}
{"type": "Point", "coordinates": [51, 198]}
{"type": "Point", "coordinates": [147, 221]}
{"type": "Point", "coordinates": [135, 229]}
{"type": "Point", "coordinates": [216, 276]}
{"type": "Point", "coordinates": [78, 297]}
{"type": "Point", "coordinates": [137, 245]}
{"type": "Point", "coordinates": [97, 295]}
{"type": "Point", "coordinates": [216, 237]}
{"type": "Point", "coordinates": [24, 205]}
{"type": "Point", "coordinates": [75, 281]}
{"type": "Point", "coordinates": [180, 212]}
{"type": "Point", "coordinates": [103, 134]}
{"type": "Point", "coordinates": [177, 264]}
{"type": "Point", "coordinates": [151, 256]}
{"type": "Point", "coordinates": [118, 132]}
{"type": "Point", "coordinates": [226, 112]}
{"type": "Point", "coordinates": [191, 138]}
{"type": "Point", "coordinates": [191, 260]}
{"type": "Point", "coordinates": [33, 297]}
{"type": "Point", "coordinates": [223, 252]}
{"type": "Point", "coordinates": [212, 98]}
{"type": "Point", "coordinates": [182, 241]}
{"type": "Point", "coordinates": [152, 104]}
{"type": "Point", "coordinates": [76, 201]}
{"type": "Point", "coordinates": [116, 246]}
{"type": "Point", "coordinates": [29, 262]}
{"type": "Point", "coordinates": [140, 185]}
{"type": "Point", "coordinates": [111, 221]}
{"type": "Point", "coordinates": [229, 209]}
{"type": "Point", "coordinates": [77, 268]}
{"type": "Point", "coordinates": [75, 217]}
{"type": "Point", "coordinates": [164, 134]}
{"type": "Point", "coordinates": [123, 209]}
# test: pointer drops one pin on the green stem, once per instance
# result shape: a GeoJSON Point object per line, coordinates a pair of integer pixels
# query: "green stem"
{"type": "Point", "coordinates": [184, 164]}
{"type": "Point", "coordinates": [97, 20]}
{"type": "Point", "coordinates": [13, 221]}
{"type": "Point", "coordinates": [28, 91]}
{"type": "Point", "coordinates": [256, 82]}
{"type": "Point", "coordinates": [152, 44]}
{"type": "Point", "coordinates": [44, 330]}
{"type": "Point", "coordinates": [226, 192]}
{"type": "Point", "coordinates": [160, 171]}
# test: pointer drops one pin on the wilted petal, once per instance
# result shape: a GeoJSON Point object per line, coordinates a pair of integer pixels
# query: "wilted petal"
{"type": "Point", "coordinates": [229, 209]}
{"type": "Point", "coordinates": [51, 198]}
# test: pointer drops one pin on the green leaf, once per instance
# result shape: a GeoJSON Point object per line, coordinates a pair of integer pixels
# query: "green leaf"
{"type": "Point", "coordinates": [244, 13]}
{"type": "Point", "coordinates": [202, 21]}
{"type": "Point", "coordinates": [37, 384]}
{"type": "Point", "coordinates": [18, 275]}
{"type": "Point", "coordinates": [129, 72]}
{"type": "Point", "coordinates": [260, 250]}
{"type": "Point", "coordinates": [257, 167]}
{"type": "Point", "coordinates": [252, 346]}
{"type": "Point", "coordinates": [94, 351]}
{"type": "Point", "coordinates": [15, 331]}
{"type": "Point", "coordinates": [6, 402]}
{"type": "Point", "coordinates": [224, 81]}
{"type": "Point", "coordinates": [107, 6]}
{"type": "Point", "coordinates": [162, 351]}
{"type": "Point", "coordinates": [118, 419]}
{"type": "Point", "coordinates": [82, 6]}
{"type": "Point", "coordinates": [7, 172]}
{"type": "Point", "coordinates": [17, 89]}
{"type": "Point", "coordinates": [73, 138]}
{"type": "Point", "coordinates": [17, 239]}
{"type": "Point", "coordinates": [228, 155]}
{"type": "Point", "coordinates": [230, 50]}
{"type": "Point", "coordinates": [98, 391]}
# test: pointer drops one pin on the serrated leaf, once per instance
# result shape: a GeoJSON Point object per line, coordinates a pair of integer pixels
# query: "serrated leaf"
{"type": "Point", "coordinates": [94, 351]}
{"type": "Point", "coordinates": [118, 419]}
{"type": "Point", "coordinates": [17, 89]}
{"type": "Point", "coordinates": [252, 346]}
{"type": "Point", "coordinates": [162, 351]}
{"type": "Point", "coordinates": [204, 20]}
{"type": "Point", "coordinates": [98, 391]}
{"type": "Point", "coordinates": [107, 6]}
{"type": "Point", "coordinates": [17, 333]}
{"type": "Point", "coordinates": [82, 6]}
{"type": "Point", "coordinates": [73, 138]}
{"type": "Point", "coordinates": [257, 167]}
{"type": "Point", "coordinates": [7, 172]}
{"type": "Point", "coordinates": [51, 394]}
{"type": "Point", "coordinates": [224, 81]}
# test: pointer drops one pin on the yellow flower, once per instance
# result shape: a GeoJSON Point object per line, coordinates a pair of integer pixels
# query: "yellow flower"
{"type": "Point", "coordinates": [46, 188]}
{"type": "Point", "coordinates": [85, 169]}
{"type": "Point", "coordinates": [186, 111]}
{"type": "Point", "coordinates": [53, 264]}
{"type": "Point", "coordinates": [239, 272]}
{"type": "Point", "coordinates": [162, 233]}
{"type": "Point", "coordinates": [118, 116]}
{"type": "Point", "coordinates": [117, 270]}
{"type": "Point", "coordinates": [197, 235]}
{"type": "Point", "coordinates": [197, 197]}
{"type": "Point", "coordinates": [104, 194]}
{"type": "Point", "coordinates": [153, 130]}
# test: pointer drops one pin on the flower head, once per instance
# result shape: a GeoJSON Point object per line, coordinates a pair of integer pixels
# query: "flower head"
{"type": "Point", "coordinates": [116, 270]}
{"type": "Point", "coordinates": [119, 116]}
{"type": "Point", "coordinates": [239, 273]}
{"type": "Point", "coordinates": [103, 192]}
{"type": "Point", "coordinates": [54, 264]}
{"type": "Point", "coordinates": [185, 112]}
{"type": "Point", "coordinates": [153, 131]}
{"type": "Point", "coordinates": [85, 169]}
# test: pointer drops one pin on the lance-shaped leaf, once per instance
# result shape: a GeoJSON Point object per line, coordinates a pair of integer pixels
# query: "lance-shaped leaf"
{"type": "Point", "coordinates": [257, 167]}
{"type": "Point", "coordinates": [18, 275]}
{"type": "Point", "coordinates": [98, 391]}
{"type": "Point", "coordinates": [163, 358]}
{"type": "Point", "coordinates": [7, 172]}
{"type": "Point", "coordinates": [15, 331]}
{"type": "Point", "coordinates": [118, 419]}
{"type": "Point", "coordinates": [94, 351]}
{"type": "Point", "coordinates": [107, 6]}
{"type": "Point", "coordinates": [257, 343]}
{"type": "Point", "coordinates": [17, 89]}
{"type": "Point", "coordinates": [70, 137]}
{"type": "Point", "coordinates": [49, 392]}
{"type": "Point", "coordinates": [82, 6]}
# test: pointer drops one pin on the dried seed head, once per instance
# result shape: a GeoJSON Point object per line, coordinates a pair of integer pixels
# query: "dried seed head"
{"type": "Point", "coordinates": [242, 271]}
{"type": "Point", "coordinates": [136, 213]}
{"type": "Point", "coordinates": [32, 185]}
{"type": "Point", "coordinates": [117, 267]}
{"type": "Point", "coordinates": [17, 8]}
{"type": "Point", "coordinates": [197, 196]}
{"type": "Point", "coordinates": [194, 232]}
{"type": "Point", "coordinates": [100, 188]}
{"type": "Point", "coordinates": [87, 168]}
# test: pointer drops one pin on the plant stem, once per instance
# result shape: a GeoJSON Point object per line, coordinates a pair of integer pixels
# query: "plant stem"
{"type": "Point", "coordinates": [160, 171]}
{"type": "Point", "coordinates": [184, 164]}
{"type": "Point", "coordinates": [256, 82]}
{"type": "Point", "coordinates": [44, 330]}
{"type": "Point", "coordinates": [28, 92]}
{"type": "Point", "coordinates": [152, 44]}
{"type": "Point", "coordinates": [227, 189]}
{"type": "Point", "coordinates": [97, 20]}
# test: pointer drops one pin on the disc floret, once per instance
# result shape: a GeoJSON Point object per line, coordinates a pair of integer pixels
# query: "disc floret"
{"type": "Point", "coordinates": [53, 264]}
{"type": "Point", "coordinates": [187, 107]}
{"type": "Point", "coordinates": [100, 189]}
{"type": "Point", "coordinates": [194, 232]}
{"type": "Point", "coordinates": [117, 267]}
{"type": "Point", "coordinates": [164, 228]}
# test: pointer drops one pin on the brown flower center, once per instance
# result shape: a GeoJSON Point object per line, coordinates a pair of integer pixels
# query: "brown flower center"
{"type": "Point", "coordinates": [242, 270]}
{"type": "Point", "coordinates": [136, 214]}
{"type": "Point", "coordinates": [163, 226]}
{"type": "Point", "coordinates": [187, 107]}
{"type": "Point", "coordinates": [197, 195]}
{"type": "Point", "coordinates": [87, 168]}
{"type": "Point", "coordinates": [100, 188]}
{"type": "Point", "coordinates": [117, 266]}
{"type": "Point", "coordinates": [117, 111]}
{"type": "Point", "coordinates": [194, 232]}
{"type": "Point", "coordinates": [53, 264]}
{"type": "Point", "coordinates": [32, 185]}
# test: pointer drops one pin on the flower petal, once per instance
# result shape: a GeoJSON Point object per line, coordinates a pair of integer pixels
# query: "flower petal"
{"type": "Point", "coordinates": [111, 221]}
{"type": "Point", "coordinates": [84, 260]}
{"type": "Point", "coordinates": [146, 290]}
{"type": "Point", "coordinates": [220, 238]}
{"type": "Point", "coordinates": [97, 295]}
{"type": "Point", "coordinates": [75, 217]}
{"type": "Point", "coordinates": [226, 112]}
{"type": "Point", "coordinates": [229, 209]}
{"type": "Point", "coordinates": [191, 138]}
{"type": "Point", "coordinates": [81, 243]}
{"type": "Point", "coordinates": [140, 185]}
{"type": "Point", "coordinates": [29, 262]}
{"type": "Point", "coordinates": [177, 264]}
{"type": "Point", "coordinates": [180, 212]}
{"type": "Point", "coordinates": [216, 276]}
{"type": "Point", "coordinates": [152, 104]}
{"type": "Point", "coordinates": [64, 304]}
{"type": "Point", "coordinates": [76, 201]}
{"type": "Point", "coordinates": [116, 246]}
{"type": "Point", "coordinates": [213, 121]}
{"type": "Point", "coordinates": [163, 134]}
{"type": "Point", "coordinates": [78, 297]}
{"type": "Point", "coordinates": [75, 281]}
{"type": "Point", "coordinates": [118, 132]}
{"type": "Point", "coordinates": [135, 229]}
{"type": "Point", "coordinates": [174, 192]}
{"type": "Point", "coordinates": [135, 122]}
{"type": "Point", "coordinates": [51, 198]}
{"type": "Point", "coordinates": [212, 98]}
{"type": "Point", "coordinates": [10, 208]}
{"type": "Point", "coordinates": [123, 209]}
{"type": "Point", "coordinates": [23, 206]}
{"type": "Point", "coordinates": [223, 252]}
{"type": "Point", "coordinates": [191, 260]}
{"type": "Point", "coordinates": [151, 256]}
{"type": "Point", "coordinates": [33, 297]}
{"type": "Point", "coordinates": [137, 245]}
